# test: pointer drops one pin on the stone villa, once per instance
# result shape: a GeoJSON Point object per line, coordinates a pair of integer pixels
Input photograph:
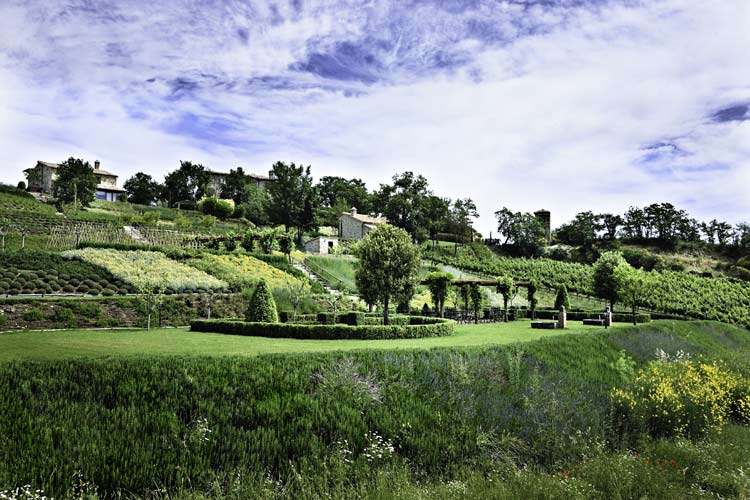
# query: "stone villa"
{"type": "Point", "coordinates": [354, 226]}
{"type": "Point", "coordinates": [42, 175]}
{"type": "Point", "coordinates": [217, 179]}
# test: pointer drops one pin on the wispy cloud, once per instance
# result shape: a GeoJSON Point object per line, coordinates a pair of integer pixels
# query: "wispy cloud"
{"type": "Point", "coordinates": [566, 104]}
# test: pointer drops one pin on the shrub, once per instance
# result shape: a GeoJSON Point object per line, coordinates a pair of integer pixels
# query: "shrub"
{"type": "Point", "coordinates": [678, 398]}
{"type": "Point", "coordinates": [740, 410]}
{"type": "Point", "coordinates": [562, 299]}
{"type": "Point", "coordinates": [34, 314]}
{"type": "Point", "coordinates": [262, 307]}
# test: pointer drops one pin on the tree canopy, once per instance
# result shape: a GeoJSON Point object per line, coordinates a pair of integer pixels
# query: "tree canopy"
{"type": "Point", "coordinates": [188, 183]}
{"type": "Point", "coordinates": [75, 182]}
{"type": "Point", "coordinates": [142, 189]}
{"type": "Point", "coordinates": [388, 266]}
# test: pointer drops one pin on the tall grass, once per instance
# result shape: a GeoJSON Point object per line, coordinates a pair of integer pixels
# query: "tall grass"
{"type": "Point", "coordinates": [323, 421]}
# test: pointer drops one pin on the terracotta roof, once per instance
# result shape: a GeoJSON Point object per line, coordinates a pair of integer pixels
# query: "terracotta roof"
{"type": "Point", "coordinates": [102, 187]}
{"type": "Point", "coordinates": [367, 219]}
{"type": "Point", "coordinates": [251, 175]}
{"type": "Point", "coordinates": [96, 171]}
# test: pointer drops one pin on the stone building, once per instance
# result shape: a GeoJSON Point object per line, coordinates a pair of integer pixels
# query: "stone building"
{"type": "Point", "coordinates": [41, 177]}
{"type": "Point", "coordinates": [322, 244]}
{"type": "Point", "coordinates": [354, 226]}
{"type": "Point", "coordinates": [544, 218]}
{"type": "Point", "coordinates": [217, 180]}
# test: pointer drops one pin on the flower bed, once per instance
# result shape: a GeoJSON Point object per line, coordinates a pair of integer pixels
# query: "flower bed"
{"type": "Point", "coordinates": [418, 327]}
{"type": "Point", "coordinates": [145, 269]}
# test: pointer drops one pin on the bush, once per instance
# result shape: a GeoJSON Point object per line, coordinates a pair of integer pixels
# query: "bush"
{"type": "Point", "coordinates": [678, 398]}
{"type": "Point", "coordinates": [262, 307]}
{"type": "Point", "coordinates": [211, 205]}
{"type": "Point", "coordinates": [417, 327]}
{"type": "Point", "coordinates": [34, 314]}
{"type": "Point", "coordinates": [562, 299]}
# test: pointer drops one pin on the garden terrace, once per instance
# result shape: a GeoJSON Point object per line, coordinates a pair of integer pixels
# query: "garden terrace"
{"type": "Point", "coordinates": [243, 271]}
{"type": "Point", "coordinates": [150, 271]}
{"type": "Point", "coordinates": [418, 327]}
{"type": "Point", "coordinates": [36, 272]}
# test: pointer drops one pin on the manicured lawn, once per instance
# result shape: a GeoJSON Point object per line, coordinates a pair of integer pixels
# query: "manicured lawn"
{"type": "Point", "coordinates": [177, 341]}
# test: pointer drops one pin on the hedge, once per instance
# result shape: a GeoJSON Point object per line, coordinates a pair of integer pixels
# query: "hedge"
{"type": "Point", "coordinates": [418, 328]}
{"type": "Point", "coordinates": [581, 315]}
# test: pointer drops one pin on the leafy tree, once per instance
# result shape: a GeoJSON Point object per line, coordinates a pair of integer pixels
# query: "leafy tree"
{"type": "Point", "coordinates": [403, 203]}
{"type": "Point", "coordinates": [436, 211]}
{"type": "Point", "coordinates": [334, 191]}
{"type": "Point", "coordinates": [531, 290]}
{"type": "Point", "coordinates": [388, 266]}
{"type": "Point", "coordinates": [581, 231]}
{"type": "Point", "coordinates": [475, 294]}
{"type": "Point", "coordinates": [461, 218]}
{"type": "Point", "coordinates": [507, 288]}
{"type": "Point", "coordinates": [189, 183]}
{"type": "Point", "coordinates": [234, 185]}
{"type": "Point", "coordinates": [523, 233]}
{"type": "Point", "coordinates": [262, 307]}
{"type": "Point", "coordinates": [465, 294]}
{"type": "Point", "coordinates": [267, 240]}
{"type": "Point", "coordinates": [249, 239]}
{"type": "Point", "coordinates": [561, 298]}
{"type": "Point", "coordinates": [438, 283]}
{"type": "Point", "coordinates": [254, 204]}
{"type": "Point", "coordinates": [286, 245]}
{"type": "Point", "coordinates": [75, 182]}
{"type": "Point", "coordinates": [291, 197]}
{"type": "Point", "coordinates": [605, 285]}
{"type": "Point", "coordinates": [611, 224]}
{"type": "Point", "coordinates": [142, 189]}
{"type": "Point", "coordinates": [633, 286]}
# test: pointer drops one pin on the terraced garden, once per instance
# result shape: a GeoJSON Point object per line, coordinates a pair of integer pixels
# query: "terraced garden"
{"type": "Point", "coordinates": [243, 271]}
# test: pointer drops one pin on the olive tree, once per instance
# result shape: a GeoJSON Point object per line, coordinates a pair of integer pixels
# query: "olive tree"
{"type": "Point", "coordinates": [507, 288]}
{"type": "Point", "coordinates": [388, 266]}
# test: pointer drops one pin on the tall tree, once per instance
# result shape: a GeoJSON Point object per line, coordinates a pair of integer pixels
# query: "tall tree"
{"type": "Point", "coordinates": [291, 196]}
{"type": "Point", "coordinates": [188, 183]}
{"type": "Point", "coordinates": [75, 182]}
{"type": "Point", "coordinates": [334, 190]}
{"type": "Point", "coordinates": [403, 203]}
{"type": "Point", "coordinates": [581, 231]}
{"type": "Point", "coordinates": [462, 215]}
{"type": "Point", "coordinates": [436, 216]}
{"type": "Point", "coordinates": [611, 223]}
{"type": "Point", "coordinates": [254, 204]}
{"type": "Point", "coordinates": [633, 286]}
{"type": "Point", "coordinates": [142, 189]}
{"type": "Point", "coordinates": [523, 233]}
{"type": "Point", "coordinates": [388, 266]}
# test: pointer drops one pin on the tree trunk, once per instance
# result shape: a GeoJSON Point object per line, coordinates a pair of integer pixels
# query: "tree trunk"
{"type": "Point", "coordinates": [386, 321]}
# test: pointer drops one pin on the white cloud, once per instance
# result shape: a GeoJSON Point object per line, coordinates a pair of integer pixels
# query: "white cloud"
{"type": "Point", "coordinates": [555, 119]}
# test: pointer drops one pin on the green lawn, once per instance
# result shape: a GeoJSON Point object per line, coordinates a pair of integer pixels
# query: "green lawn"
{"type": "Point", "coordinates": [178, 341]}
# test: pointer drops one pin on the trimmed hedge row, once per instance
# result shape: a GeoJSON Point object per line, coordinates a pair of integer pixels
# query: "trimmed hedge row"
{"type": "Point", "coordinates": [581, 315]}
{"type": "Point", "coordinates": [418, 328]}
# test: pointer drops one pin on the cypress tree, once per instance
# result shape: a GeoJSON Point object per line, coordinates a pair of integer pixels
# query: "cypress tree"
{"type": "Point", "coordinates": [562, 298]}
{"type": "Point", "coordinates": [262, 307]}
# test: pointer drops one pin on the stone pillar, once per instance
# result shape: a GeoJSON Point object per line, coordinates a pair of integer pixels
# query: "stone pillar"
{"type": "Point", "coordinates": [607, 318]}
{"type": "Point", "coordinates": [562, 318]}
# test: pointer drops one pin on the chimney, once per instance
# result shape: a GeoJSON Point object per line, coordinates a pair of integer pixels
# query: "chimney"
{"type": "Point", "coordinates": [96, 165]}
{"type": "Point", "coordinates": [354, 211]}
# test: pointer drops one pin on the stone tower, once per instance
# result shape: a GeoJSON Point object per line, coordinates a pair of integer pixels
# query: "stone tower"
{"type": "Point", "coordinates": [543, 216]}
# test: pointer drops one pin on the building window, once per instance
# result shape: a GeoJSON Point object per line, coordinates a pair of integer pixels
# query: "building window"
{"type": "Point", "coordinates": [101, 195]}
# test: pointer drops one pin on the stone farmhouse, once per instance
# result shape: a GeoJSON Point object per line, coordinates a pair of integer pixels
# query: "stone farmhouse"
{"type": "Point", "coordinates": [42, 175]}
{"type": "Point", "coordinates": [354, 226]}
{"type": "Point", "coordinates": [217, 180]}
{"type": "Point", "coordinates": [321, 244]}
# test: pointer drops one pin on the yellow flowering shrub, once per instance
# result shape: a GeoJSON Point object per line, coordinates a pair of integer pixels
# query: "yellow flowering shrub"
{"type": "Point", "coordinates": [242, 271]}
{"type": "Point", "coordinates": [741, 402]}
{"type": "Point", "coordinates": [677, 398]}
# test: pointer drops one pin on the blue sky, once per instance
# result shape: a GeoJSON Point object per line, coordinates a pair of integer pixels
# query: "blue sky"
{"type": "Point", "coordinates": [568, 105]}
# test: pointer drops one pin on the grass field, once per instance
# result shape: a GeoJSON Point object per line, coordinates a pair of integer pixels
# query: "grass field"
{"type": "Point", "coordinates": [178, 341]}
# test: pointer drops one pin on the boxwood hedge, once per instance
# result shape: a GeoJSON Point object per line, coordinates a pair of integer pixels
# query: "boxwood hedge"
{"type": "Point", "coordinates": [418, 327]}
